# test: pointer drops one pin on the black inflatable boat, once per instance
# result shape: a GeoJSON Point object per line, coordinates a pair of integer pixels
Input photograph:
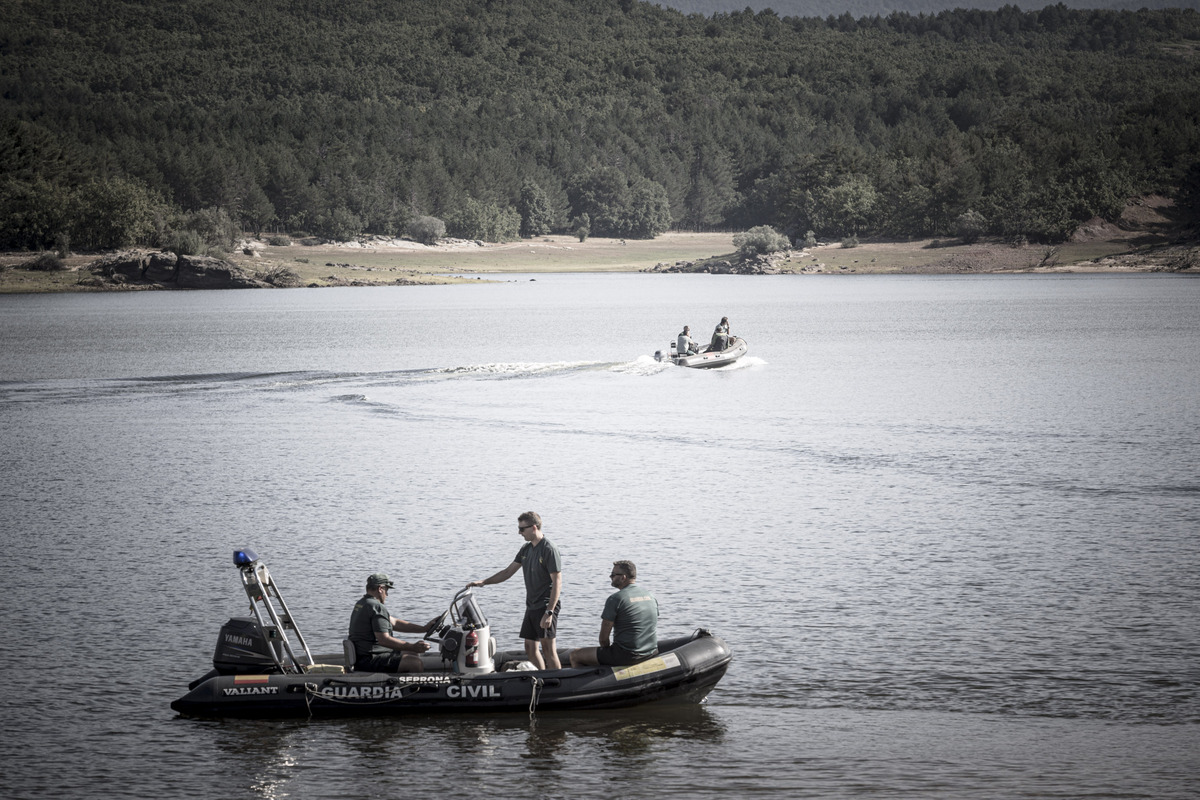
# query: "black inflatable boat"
{"type": "Point", "coordinates": [258, 672]}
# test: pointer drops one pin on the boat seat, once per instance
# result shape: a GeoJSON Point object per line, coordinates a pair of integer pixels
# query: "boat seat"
{"type": "Point", "coordinates": [349, 654]}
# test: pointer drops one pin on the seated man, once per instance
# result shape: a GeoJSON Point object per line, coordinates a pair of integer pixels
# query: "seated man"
{"type": "Point", "coordinates": [631, 616]}
{"type": "Point", "coordinates": [371, 628]}
{"type": "Point", "coordinates": [721, 336]}
{"type": "Point", "coordinates": [684, 346]}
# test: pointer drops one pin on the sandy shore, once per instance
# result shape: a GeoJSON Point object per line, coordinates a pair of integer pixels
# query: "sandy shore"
{"type": "Point", "coordinates": [1144, 240]}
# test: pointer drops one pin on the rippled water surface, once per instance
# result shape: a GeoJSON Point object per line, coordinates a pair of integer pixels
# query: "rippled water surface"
{"type": "Point", "coordinates": [947, 525]}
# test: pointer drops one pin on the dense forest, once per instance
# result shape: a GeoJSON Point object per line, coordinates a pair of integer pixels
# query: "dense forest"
{"type": "Point", "coordinates": [867, 8]}
{"type": "Point", "coordinates": [125, 121]}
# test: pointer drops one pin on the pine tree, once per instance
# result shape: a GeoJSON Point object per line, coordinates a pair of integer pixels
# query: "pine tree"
{"type": "Point", "coordinates": [534, 207]}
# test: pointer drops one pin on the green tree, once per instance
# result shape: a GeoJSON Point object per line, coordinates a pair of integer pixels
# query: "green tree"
{"type": "Point", "coordinates": [487, 221]}
{"type": "Point", "coordinates": [534, 207]}
{"type": "Point", "coordinates": [257, 211]}
{"type": "Point", "coordinates": [1188, 196]}
{"type": "Point", "coordinates": [426, 229]}
{"type": "Point", "coordinates": [33, 214]}
{"type": "Point", "coordinates": [847, 207]}
{"type": "Point", "coordinates": [955, 186]}
{"type": "Point", "coordinates": [603, 195]}
{"type": "Point", "coordinates": [711, 190]}
{"type": "Point", "coordinates": [970, 226]}
{"type": "Point", "coordinates": [760, 240]}
{"type": "Point", "coordinates": [214, 225]}
{"type": "Point", "coordinates": [338, 224]}
{"type": "Point", "coordinates": [184, 243]}
{"type": "Point", "coordinates": [113, 214]}
{"type": "Point", "coordinates": [617, 207]}
{"type": "Point", "coordinates": [649, 212]}
{"type": "Point", "coordinates": [581, 226]}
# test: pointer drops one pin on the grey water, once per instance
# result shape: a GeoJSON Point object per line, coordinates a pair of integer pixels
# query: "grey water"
{"type": "Point", "coordinates": [948, 526]}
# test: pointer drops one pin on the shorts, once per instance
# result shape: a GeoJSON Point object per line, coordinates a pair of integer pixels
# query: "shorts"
{"type": "Point", "coordinates": [381, 662]}
{"type": "Point", "coordinates": [531, 626]}
{"type": "Point", "coordinates": [617, 656]}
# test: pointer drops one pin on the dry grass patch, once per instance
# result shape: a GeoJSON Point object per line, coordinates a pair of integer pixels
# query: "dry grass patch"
{"type": "Point", "coordinates": [543, 254]}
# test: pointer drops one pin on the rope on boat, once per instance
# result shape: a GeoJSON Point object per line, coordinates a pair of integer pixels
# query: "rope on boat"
{"type": "Point", "coordinates": [309, 690]}
{"type": "Point", "coordinates": [536, 694]}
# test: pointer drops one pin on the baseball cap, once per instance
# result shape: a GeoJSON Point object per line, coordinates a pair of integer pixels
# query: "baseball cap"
{"type": "Point", "coordinates": [379, 579]}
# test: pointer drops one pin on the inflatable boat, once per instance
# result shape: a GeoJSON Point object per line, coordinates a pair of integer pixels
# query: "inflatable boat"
{"type": "Point", "coordinates": [258, 671]}
{"type": "Point", "coordinates": [706, 358]}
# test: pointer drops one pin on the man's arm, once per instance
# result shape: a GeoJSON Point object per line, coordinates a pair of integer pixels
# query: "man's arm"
{"type": "Point", "coordinates": [555, 591]}
{"type": "Point", "coordinates": [392, 643]}
{"type": "Point", "coordinates": [499, 577]}
{"type": "Point", "coordinates": [606, 627]}
{"type": "Point", "coordinates": [404, 626]}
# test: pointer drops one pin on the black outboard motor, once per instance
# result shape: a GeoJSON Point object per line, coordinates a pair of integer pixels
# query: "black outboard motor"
{"type": "Point", "coordinates": [242, 648]}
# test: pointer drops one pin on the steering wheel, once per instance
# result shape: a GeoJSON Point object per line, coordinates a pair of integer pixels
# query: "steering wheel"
{"type": "Point", "coordinates": [437, 634]}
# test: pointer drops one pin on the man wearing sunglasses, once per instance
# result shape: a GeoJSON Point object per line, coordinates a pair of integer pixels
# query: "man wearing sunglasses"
{"type": "Point", "coordinates": [542, 566]}
{"type": "Point", "coordinates": [630, 617]}
{"type": "Point", "coordinates": [372, 627]}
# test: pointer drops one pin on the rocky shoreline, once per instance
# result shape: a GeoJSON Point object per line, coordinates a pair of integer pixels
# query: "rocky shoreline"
{"type": "Point", "coordinates": [1150, 236]}
{"type": "Point", "coordinates": [157, 269]}
{"type": "Point", "coordinates": [149, 270]}
{"type": "Point", "coordinates": [778, 263]}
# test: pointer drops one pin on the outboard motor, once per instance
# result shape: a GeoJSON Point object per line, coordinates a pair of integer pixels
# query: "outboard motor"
{"type": "Point", "coordinates": [465, 637]}
{"type": "Point", "coordinates": [242, 648]}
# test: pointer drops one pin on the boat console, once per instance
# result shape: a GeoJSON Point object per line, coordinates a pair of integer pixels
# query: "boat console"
{"type": "Point", "coordinates": [464, 637]}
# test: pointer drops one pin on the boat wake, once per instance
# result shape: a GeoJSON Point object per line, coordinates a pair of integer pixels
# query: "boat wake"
{"type": "Point", "coordinates": [350, 384]}
{"type": "Point", "coordinates": [527, 369]}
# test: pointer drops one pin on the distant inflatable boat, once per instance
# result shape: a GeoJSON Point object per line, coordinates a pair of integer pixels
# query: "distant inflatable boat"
{"type": "Point", "coordinates": [258, 672]}
{"type": "Point", "coordinates": [706, 359]}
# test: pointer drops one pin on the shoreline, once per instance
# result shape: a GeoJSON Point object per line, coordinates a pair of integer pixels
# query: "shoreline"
{"type": "Point", "coordinates": [375, 261]}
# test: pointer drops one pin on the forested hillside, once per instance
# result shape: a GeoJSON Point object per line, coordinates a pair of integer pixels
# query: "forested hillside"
{"type": "Point", "coordinates": [124, 120]}
{"type": "Point", "coordinates": [869, 8]}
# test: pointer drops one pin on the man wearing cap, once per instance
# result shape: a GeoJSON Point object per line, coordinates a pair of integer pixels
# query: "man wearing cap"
{"type": "Point", "coordinates": [630, 616]}
{"type": "Point", "coordinates": [371, 628]}
{"type": "Point", "coordinates": [542, 566]}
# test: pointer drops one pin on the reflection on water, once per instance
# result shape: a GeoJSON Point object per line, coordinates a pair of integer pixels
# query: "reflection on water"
{"type": "Point", "coordinates": [453, 755]}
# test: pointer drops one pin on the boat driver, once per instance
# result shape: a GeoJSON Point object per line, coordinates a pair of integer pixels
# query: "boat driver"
{"type": "Point", "coordinates": [684, 346]}
{"type": "Point", "coordinates": [371, 629]}
{"type": "Point", "coordinates": [630, 617]}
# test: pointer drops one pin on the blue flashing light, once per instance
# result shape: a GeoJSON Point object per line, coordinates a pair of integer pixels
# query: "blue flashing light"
{"type": "Point", "coordinates": [244, 557]}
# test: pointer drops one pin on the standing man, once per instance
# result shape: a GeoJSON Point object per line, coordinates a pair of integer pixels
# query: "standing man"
{"type": "Point", "coordinates": [542, 565]}
{"type": "Point", "coordinates": [371, 628]}
{"type": "Point", "coordinates": [631, 615]}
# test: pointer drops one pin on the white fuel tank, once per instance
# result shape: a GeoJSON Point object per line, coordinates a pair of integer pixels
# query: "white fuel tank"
{"type": "Point", "coordinates": [477, 653]}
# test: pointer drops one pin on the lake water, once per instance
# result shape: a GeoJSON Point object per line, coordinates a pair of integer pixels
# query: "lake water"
{"type": "Point", "coordinates": [948, 526]}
